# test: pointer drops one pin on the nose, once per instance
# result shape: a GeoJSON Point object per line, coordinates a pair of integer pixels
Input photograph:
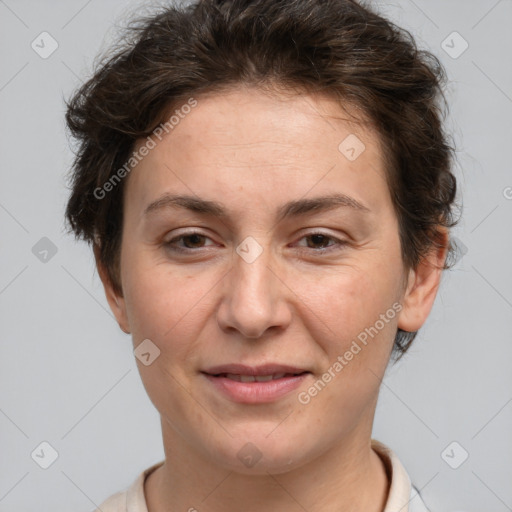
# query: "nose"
{"type": "Point", "coordinates": [255, 297]}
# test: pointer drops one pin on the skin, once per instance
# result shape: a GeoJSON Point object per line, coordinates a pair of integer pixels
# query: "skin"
{"type": "Point", "coordinates": [252, 152]}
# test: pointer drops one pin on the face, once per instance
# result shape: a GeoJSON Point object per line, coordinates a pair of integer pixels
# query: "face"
{"type": "Point", "coordinates": [256, 234]}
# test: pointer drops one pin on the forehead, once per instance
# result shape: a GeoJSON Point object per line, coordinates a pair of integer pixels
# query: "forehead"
{"type": "Point", "coordinates": [267, 116]}
{"type": "Point", "coordinates": [251, 140]}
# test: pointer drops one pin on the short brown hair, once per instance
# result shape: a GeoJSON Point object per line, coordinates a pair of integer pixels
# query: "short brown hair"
{"type": "Point", "coordinates": [337, 47]}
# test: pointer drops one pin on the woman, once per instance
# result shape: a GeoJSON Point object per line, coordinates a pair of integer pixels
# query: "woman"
{"type": "Point", "coordinates": [268, 191]}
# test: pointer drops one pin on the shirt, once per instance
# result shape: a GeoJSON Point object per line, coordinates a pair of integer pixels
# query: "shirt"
{"type": "Point", "coordinates": [402, 496]}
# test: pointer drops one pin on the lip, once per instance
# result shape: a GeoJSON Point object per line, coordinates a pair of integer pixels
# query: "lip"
{"type": "Point", "coordinates": [265, 369]}
{"type": "Point", "coordinates": [255, 392]}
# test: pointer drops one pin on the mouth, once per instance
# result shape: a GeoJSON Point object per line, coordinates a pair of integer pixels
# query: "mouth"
{"type": "Point", "coordinates": [255, 384]}
{"type": "Point", "coordinates": [260, 373]}
{"type": "Point", "coordinates": [256, 378]}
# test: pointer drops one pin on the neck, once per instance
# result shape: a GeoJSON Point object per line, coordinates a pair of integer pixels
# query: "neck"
{"type": "Point", "coordinates": [348, 478]}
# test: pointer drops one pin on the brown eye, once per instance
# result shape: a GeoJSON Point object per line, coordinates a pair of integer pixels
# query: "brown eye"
{"type": "Point", "coordinates": [190, 241]}
{"type": "Point", "coordinates": [322, 242]}
{"type": "Point", "coordinates": [318, 239]}
{"type": "Point", "coordinates": [194, 240]}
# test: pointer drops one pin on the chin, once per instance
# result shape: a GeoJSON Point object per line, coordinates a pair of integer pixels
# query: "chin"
{"type": "Point", "coordinates": [260, 454]}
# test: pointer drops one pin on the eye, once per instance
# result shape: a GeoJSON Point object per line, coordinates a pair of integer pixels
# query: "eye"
{"type": "Point", "coordinates": [318, 241]}
{"type": "Point", "coordinates": [191, 240]}
{"type": "Point", "coordinates": [322, 240]}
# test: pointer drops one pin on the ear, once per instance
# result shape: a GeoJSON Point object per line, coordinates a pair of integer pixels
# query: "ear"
{"type": "Point", "coordinates": [115, 300]}
{"type": "Point", "coordinates": [423, 283]}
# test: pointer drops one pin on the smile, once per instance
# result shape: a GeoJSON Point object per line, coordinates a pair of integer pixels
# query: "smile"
{"type": "Point", "coordinates": [254, 385]}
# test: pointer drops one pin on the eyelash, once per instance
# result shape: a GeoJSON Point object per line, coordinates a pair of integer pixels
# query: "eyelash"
{"type": "Point", "coordinates": [339, 243]}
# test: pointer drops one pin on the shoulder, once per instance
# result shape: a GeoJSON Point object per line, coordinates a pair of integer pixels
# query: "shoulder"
{"type": "Point", "coordinates": [402, 494]}
{"type": "Point", "coordinates": [131, 499]}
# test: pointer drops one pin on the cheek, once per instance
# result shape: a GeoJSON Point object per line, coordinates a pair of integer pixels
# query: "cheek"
{"type": "Point", "coordinates": [168, 305]}
{"type": "Point", "coordinates": [356, 313]}
{"type": "Point", "coordinates": [170, 309]}
{"type": "Point", "coordinates": [348, 302]}
{"type": "Point", "coordinates": [356, 349]}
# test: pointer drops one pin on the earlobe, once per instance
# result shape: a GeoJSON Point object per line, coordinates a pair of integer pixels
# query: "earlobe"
{"type": "Point", "coordinates": [115, 299]}
{"type": "Point", "coordinates": [422, 286]}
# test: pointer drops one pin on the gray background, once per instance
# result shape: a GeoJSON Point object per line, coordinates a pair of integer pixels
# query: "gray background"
{"type": "Point", "coordinates": [67, 372]}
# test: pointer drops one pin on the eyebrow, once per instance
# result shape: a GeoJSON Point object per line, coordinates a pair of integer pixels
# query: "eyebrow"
{"type": "Point", "coordinates": [291, 209]}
